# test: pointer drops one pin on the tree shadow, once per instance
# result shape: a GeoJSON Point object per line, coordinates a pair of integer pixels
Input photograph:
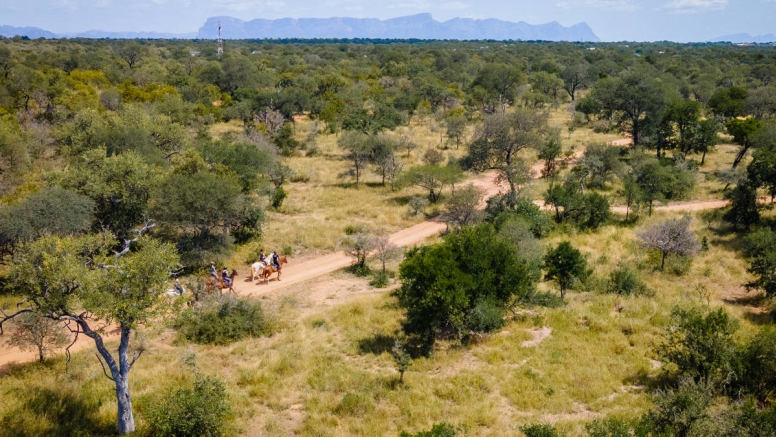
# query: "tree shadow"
{"type": "Point", "coordinates": [376, 344]}
{"type": "Point", "coordinates": [58, 413]}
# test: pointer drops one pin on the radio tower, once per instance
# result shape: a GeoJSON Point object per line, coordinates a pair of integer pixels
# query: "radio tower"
{"type": "Point", "coordinates": [220, 50]}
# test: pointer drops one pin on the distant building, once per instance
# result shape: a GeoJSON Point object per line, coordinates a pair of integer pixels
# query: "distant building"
{"type": "Point", "coordinates": [256, 52]}
{"type": "Point", "coordinates": [194, 53]}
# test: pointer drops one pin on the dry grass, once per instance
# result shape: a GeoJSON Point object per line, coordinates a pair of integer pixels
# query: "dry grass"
{"type": "Point", "coordinates": [328, 371]}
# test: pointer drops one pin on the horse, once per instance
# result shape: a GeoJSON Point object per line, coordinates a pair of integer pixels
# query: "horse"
{"type": "Point", "coordinates": [256, 269]}
{"type": "Point", "coordinates": [270, 269]}
{"type": "Point", "coordinates": [219, 284]}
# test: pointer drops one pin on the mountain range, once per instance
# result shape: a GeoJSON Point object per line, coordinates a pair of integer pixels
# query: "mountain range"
{"type": "Point", "coordinates": [420, 26]}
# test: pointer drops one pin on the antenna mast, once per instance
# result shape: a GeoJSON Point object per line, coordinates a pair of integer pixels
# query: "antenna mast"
{"type": "Point", "coordinates": [220, 49]}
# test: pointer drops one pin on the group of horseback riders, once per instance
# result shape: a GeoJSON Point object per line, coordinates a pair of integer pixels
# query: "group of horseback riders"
{"type": "Point", "coordinates": [271, 260]}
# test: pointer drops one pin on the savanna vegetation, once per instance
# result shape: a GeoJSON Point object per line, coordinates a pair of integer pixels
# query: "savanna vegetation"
{"type": "Point", "coordinates": [619, 282]}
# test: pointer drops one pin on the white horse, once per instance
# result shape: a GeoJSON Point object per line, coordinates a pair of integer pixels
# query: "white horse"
{"type": "Point", "coordinates": [256, 269]}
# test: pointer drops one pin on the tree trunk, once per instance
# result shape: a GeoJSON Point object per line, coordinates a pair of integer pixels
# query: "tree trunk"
{"type": "Point", "coordinates": [126, 418]}
{"type": "Point", "coordinates": [703, 158]}
{"type": "Point", "coordinates": [740, 156]}
{"type": "Point", "coordinates": [663, 261]}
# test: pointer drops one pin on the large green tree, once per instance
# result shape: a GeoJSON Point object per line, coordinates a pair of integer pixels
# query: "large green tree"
{"type": "Point", "coordinates": [452, 286]}
{"type": "Point", "coordinates": [83, 281]}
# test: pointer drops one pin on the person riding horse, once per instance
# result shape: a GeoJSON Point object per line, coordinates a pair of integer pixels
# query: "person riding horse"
{"type": "Point", "coordinates": [273, 260]}
{"type": "Point", "coordinates": [225, 277]}
{"type": "Point", "coordinates": [213, 269]}
{"type": "Point", "coordinates": [263, 258]}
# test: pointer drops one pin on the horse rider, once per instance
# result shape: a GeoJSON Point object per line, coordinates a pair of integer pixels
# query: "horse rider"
{"type": "Point", "coordinates": [178, 287]}
{"type": "Point", "coordinates": [274, 260]}
{"type": "Point", "coordinates": [213, 269]}
{"type": "Point", "coordinates": [263, 258]}
{"type": "Point", "coordinates": [225, 277]}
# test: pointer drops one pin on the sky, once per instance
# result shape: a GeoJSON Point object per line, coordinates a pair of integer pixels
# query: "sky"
{"type": "Point", "coordinates": [611, 20]}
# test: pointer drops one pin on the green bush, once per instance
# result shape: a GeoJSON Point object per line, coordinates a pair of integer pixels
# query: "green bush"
{"type": "Point", "coordinates": [487, 315]}
{"type": "Point", "coordinates": [202, 410]}
{"type": "Point", "coordinates": [441, 429]}
{"type": "Point", "coordinates": [700, 343]}
{"type": "Point", "coordinates": [355, 404]}
{"type": "Point", "coordinates": [442, 284]}
{"type": "Point", "coordinates": [678, 264]}
{"type": "Point", "coordinates": [625, 281]}
{"type": "Point", "coordinates": [608, 427]}
{"type": "Point", "coordinates": [540, 430]}
{"type": "Point", "coordinates": [380, 280]}
{"type": "Point", "coordinates": [223, 321]}
{"type": "Point", "coordinates": [278, 196]}
{"type": "Point", "coordinates": [678, 410]}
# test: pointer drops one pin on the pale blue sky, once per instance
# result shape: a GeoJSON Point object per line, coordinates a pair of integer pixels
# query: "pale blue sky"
{"type": "Point", "coordinates": [611, 20]}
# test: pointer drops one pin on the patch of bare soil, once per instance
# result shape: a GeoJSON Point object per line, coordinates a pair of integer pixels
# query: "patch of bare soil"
{"type": "Point", "coordinates": [537, 336]}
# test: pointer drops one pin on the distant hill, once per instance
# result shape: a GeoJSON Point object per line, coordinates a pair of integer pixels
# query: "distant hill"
{"type": "Point", "coordinates": [421, 26]}
{"type": "Point", "coordinates": [30, 32]}
{"type": "Point", "coordinates": [97, 34]}
{"type": "Point", "coordinates": [743, 38]}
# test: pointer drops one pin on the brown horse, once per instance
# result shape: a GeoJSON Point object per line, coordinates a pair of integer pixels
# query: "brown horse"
{"type": "Point", "coordinates": [270, 269]}
{"type": "Point", "coordinates": [214, 284]}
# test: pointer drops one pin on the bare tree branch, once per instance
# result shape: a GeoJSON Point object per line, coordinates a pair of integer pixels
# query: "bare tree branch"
{"type": "Point", "coordinates": [7, 317]}
{"type": "Point", "coordinates": [105, 372]}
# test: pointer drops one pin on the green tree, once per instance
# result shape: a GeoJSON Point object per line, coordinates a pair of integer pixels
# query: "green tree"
{"type": "Point", "coordinates": [357, 148]}
{"type": "Point", "coordinates": [81, 279]}
{"type": "Point", "coordinates": [760, 252]}
{"type": "Point", "coordinates": [575, 78]}
{"type": "Point", "coordinates": [566, 265]}
{"type": "Point", "coordinates": [35, 332]}
{"type": "Point", "coordinates": [700, 344]}
{"type": "Point", "coordinates": [743, 205]}
{"type": "Point", "coordinates": [502, 136]}
{"type": "Point", "coordinates": [727, 102]}
{"type": "Point", "coordinates": [432, 178]}
{"type": "Point", "coordinates": [497, 85]}
{"type": "Point", "coordinates": [50, 211]}
{"type": "Point", "coordinates": [744, 132]}
{"type": "Point", "coordinates": [120, 187]}
{"type": "Point", "coordinates": [444, 283]}
{"type": "Point", "coordinates": [199, 411]}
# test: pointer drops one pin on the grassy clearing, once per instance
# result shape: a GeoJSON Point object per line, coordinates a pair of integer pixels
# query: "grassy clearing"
{"type": "Point", "coordinates": [328, 371]}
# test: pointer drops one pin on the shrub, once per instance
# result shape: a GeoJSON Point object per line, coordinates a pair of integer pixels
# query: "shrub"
{"type": "Point", "coordinates": [700, 344]}
{"type": "Point", "coordinates": [760, 252]}
{"type": "Point", "coordinates": [759, 360]}
{"type": "Point", "coordinates": [380, 280]}
{"type": "Point", "coordinates": [566, 265]}
{"type": "Point", "coordinates": [222, 321]}
{"type": "Point", "coordinates": [278, 196]}
{"type": "Point", "coordinates": [202, 410]}
{"type": "Point", "coordinates": [355, 404]}
{"type": "Point", "coordinates": [678, 265]}
{"type": "Point", "coordinates": [417, 206]}
{"type": "Point", "coordinates": [486, 315]}
{"type": "Point", "coordinates": [441, 429]}
{"type": "Point", "coordinates": [676, 411]}
{"type": "Point", "coordinates": [540, 430]}
{"type": "Point", "coordinates": [608, 427]}
{"type": "Point", "coordinates": [624, 280]}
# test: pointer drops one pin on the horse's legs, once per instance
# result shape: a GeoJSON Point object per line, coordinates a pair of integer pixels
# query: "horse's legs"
{"type": "Point", "coordinates": [278, 275]}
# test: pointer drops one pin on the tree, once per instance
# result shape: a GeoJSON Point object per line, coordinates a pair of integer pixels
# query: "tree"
{"type": "Point", "coordinates": [359, 246]}
{"type": "Point", "coordinates": [727, 102]}
{"type": "Point", "coordinates": [387, 164]}
{"type": "Point", "coordinates": [50, 211]}
{"type": "Point", "coordinates": [496, 84]}
{"type": "Point", "coordinates": [683, 117]}
{"type": "Point", "coordinates": [671, 236]}
{"type": "Point", "coordinates": [549, 151]}
{"type": "Point", "coordinates": [575, 78]}
{"type": "Point", "coordinates": [198, 211]}
{"type": "Point", "coordinates": [432, 177]}
{"type": "Point", "coordinates": [463, 207]}
{"type": "Point", "coordinates": [762, 170]}
{"type": "Point", "coordinates": [76, 280]}
{"type": "Point", "coordinates": [760, 252]}
{"type": "Point", "coordinates": [744, 132]}
{"type": "Point", "coordinates": [456, 127]}
{"type": "Point", "coordinates": [131, 52]}
{"type": "Point", "coordinates": [566, 265]}
{"type": "Point", "coordinates": [120, 187]}
{"type": "Point", "coordinates": [634, 100]}
{"type": "Point", "coordinates": [705, 138]}
{"type": "Point", "coordinates": [36, 332]}
{"type": "Point", "coordinates": [501, 137]}
{"type": "Point", "coordinates": [630, 193]}
{"type": "Point", "coordinates": [599, 164]}
{"type": "Point", "coordinates": [658, 182]}
{"type": "Point", "coordinates": [743, 205]}
{"type": "Point", "coordinates": [356, 147]}
{"type": "Point", "coordinates": [384, 250]}
{"type": "Point", "coordinates": [443, 284]}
